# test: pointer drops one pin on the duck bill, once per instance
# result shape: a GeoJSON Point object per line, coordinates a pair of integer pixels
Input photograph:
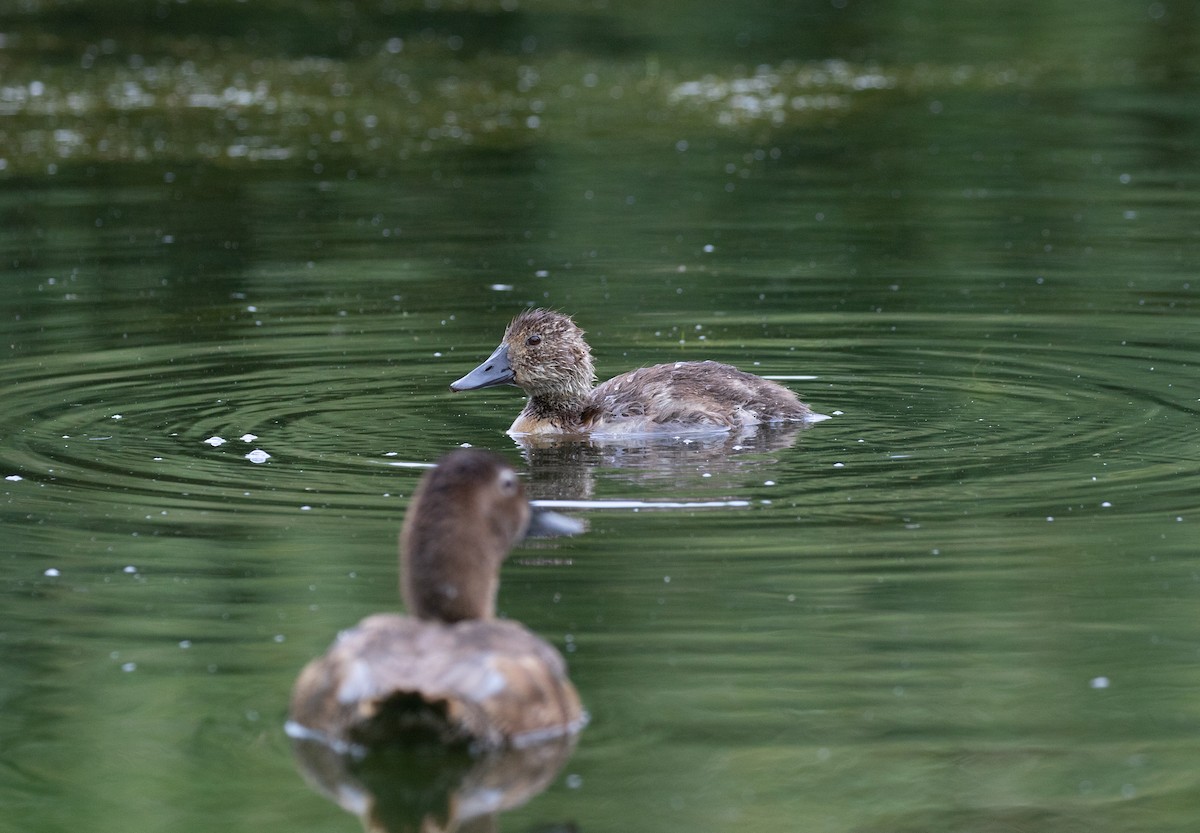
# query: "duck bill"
{"type": "Point", "coordinates": [546, 524]}
{"type": "Point", "coordinates": [495, 370]}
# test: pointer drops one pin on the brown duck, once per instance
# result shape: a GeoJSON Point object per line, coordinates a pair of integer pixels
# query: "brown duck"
{"type": "Point", "coordinates": [544, 353]}
{"type": "Point", "coordinates": [449, 668]}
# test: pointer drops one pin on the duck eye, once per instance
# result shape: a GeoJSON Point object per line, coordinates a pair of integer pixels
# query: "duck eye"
{"type": "Point", "coordinates": [508, 482]}
{"type": "Point", "coordinates": [534, 340]}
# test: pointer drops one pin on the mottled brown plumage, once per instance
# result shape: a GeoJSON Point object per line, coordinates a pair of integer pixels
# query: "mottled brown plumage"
{"type": "Point", "coordinates": [544, 353]}
{"type": "Point", "coordinates": [449, 669]}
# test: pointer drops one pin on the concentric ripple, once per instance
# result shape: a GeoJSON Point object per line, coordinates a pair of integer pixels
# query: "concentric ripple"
{"type": "Point", "coordinates": [208, 429]}
{"type": "Point", "coordinates": [1041, 419]}
{"type": "Point", "coordinates": [931, 421]}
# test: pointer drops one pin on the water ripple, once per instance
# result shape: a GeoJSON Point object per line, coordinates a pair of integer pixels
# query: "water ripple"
{"type": "Point", "coordinates": [1037, 424]}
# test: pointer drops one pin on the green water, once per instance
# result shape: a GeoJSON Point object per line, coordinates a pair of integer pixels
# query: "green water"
{"type": "Point", "coordinates": [969, 233]}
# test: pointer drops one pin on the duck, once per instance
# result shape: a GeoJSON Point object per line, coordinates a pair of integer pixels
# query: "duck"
{"type": "Point", "coordinates": [449, 671]}
{"type": "Point", "coordinates": [544, 353]}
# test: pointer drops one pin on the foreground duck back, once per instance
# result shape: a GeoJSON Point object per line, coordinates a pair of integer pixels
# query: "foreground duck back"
{"type": "Point", "coordinates": [486, 682]}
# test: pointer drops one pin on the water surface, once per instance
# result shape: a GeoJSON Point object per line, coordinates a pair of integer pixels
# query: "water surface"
{"type": "Point", "coordinates": [965, 602]}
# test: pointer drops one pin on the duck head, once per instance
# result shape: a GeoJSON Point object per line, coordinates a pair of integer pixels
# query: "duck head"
{"type": "Point", "coordinates": [465, 516]}
{"type": "Point", "coordinates": [544, 353]}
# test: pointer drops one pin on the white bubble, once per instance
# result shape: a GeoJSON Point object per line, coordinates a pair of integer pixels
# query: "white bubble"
{"type": "Point", "coordinates": [215, 441]}
{"type": "Point", "coordinates": [258, 456]}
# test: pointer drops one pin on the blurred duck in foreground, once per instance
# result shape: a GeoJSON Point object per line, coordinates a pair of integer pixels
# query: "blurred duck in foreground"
{"type": "Point", "coordinates": [449, 670]}
{"type": "Point", "coordinates": [544, 353]}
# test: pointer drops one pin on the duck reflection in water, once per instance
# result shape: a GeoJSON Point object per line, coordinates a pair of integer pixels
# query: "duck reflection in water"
{"type": "Point", "coordinates": [567, 468]}
{"type": "Point", "coordinates": [449, 672]}
{"type": "Point", "coordinates": [428, 786]}
{"type": "Point", "coordinates": [544, 353]}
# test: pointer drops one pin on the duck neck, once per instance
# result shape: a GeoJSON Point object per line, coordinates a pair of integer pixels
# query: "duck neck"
{"type": "Point", "coordinates": [443, 577]}
{"type": "Point", "coordinates": [560, 411]}
{"type": "Point", "coordinates": [564, 397]}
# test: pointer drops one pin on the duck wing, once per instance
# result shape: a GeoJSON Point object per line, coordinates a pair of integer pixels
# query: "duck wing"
{"type": "Point", "coordinates": [692, 394]}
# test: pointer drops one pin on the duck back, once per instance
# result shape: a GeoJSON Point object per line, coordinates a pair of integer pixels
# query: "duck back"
{"type": "Point", "coordinates": [697, 395]}
{"type": "Point", "coordinates": [491, 682]}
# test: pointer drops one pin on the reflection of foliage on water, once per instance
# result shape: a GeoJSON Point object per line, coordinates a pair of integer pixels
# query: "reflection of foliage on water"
{"type": "Point", "coordinates": [238, 108]}
{"type": "Point", "coordinates": [316, 84]}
